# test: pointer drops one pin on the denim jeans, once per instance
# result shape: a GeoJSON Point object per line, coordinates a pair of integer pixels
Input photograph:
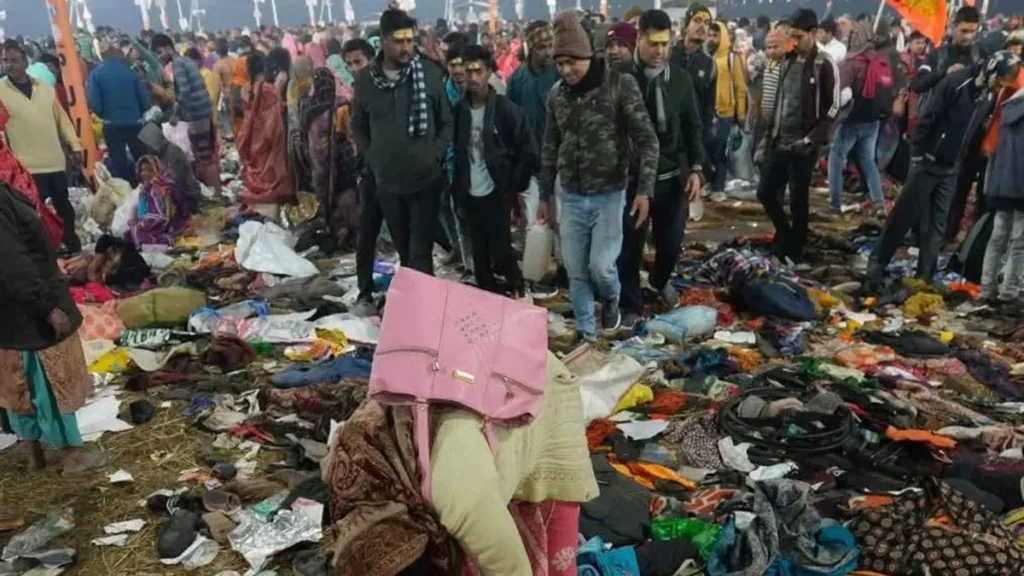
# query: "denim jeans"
{"type": "Point", "coordinates": [719, 154]}
{"type": "Point", "coordinates": [863, 138]}
{"type": "Point", "coordinates": [888, 141]}
{"type": "Point", "coordinates": [591, 231]}
{"type": "Point", "coordinates": [1007, 236]}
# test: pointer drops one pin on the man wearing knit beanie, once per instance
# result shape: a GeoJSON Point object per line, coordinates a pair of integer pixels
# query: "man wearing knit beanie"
{"type": "Point", "coordinates": [619, 45]}
{"type": "Point", "coordinates": [597, 122]}
{"type": "Point", "coordinates": [689, 55]}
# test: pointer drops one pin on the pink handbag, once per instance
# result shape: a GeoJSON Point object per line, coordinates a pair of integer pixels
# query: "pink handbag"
{"type": "Point", "coordinates": [447, 343]}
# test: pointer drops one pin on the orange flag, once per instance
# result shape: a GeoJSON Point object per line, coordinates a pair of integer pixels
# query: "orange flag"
{"type": "Point", "coordinates": [926, 16]}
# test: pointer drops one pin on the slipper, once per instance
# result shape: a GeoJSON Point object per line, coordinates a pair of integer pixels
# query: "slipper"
{"type": "Point", "coordinates": [177, 534]}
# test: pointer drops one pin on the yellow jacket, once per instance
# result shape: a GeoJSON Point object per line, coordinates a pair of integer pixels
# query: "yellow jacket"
{"type": "Point", "coordinates": [731, 89]}
{"type": "Point", "coordinates": [37, 126]}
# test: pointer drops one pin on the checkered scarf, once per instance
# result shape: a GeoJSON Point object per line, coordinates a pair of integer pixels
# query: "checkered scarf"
{"type": "Point", "coordinates": [418, 116]}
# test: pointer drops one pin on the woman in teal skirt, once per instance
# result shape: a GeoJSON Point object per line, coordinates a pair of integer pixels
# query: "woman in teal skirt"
{"type": "Point", "coordinates": [43, 374]}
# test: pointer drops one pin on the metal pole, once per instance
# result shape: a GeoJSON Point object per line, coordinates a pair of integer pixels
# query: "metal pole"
{"type": "Point", "coordinates": [878, 15]}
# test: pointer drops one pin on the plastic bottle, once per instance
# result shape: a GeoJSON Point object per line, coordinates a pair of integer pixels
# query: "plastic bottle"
{"type": "Point", "coordinates": [540, 241]}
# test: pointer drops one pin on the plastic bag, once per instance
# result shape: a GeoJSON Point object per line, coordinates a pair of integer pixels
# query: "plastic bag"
{"type": "Point", "coordinates": [178, 135]}
{"type": "Point", "coordinates": [684, 323]}
{"type": "Point", "coordinates": [39, 534]}
{"type": "Point", "coordinates": [266, 247]}
{"type": "Point", "coordinates": [741, 157]}
{"type": "Point", "coordinates": [540, 241]}
{"type": "Point", "coordinates": [125, 214]}
{"type": "Point", "coordinates": [700, 533]}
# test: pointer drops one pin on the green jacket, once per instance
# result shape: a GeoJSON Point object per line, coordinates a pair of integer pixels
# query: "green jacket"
{"type": "Point", "coordinates": [592, 131]}
{"type": "Point", "coordinates": [681, 148]}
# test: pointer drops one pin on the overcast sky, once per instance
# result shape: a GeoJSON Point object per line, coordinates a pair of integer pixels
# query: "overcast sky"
{"type": "Point", "coordinates": [30, 15]}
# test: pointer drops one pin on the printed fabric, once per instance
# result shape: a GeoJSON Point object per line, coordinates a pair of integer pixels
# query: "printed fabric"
{"type": "Point", "coordinates": [381, 521]}
{"type": "Point", "coordinates": [941, 532]}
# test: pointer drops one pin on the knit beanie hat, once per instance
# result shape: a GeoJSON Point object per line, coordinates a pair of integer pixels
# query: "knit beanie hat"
{"type": "Point", "coordinates": [695, 9]}
{"type": "Point", "coordinates": [623, 32]}
{"type": "Point", "coordinates": [570, 37]}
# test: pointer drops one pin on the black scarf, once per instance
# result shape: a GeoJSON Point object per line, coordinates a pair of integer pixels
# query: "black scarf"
{"type": "Point", "coordinates": [592, 79]}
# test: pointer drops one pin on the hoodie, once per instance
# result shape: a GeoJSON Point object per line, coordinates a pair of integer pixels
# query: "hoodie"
{"type": "Point", "coordinates": [174, 160]}
{"type": "Point", "coordinates": [731, 83]}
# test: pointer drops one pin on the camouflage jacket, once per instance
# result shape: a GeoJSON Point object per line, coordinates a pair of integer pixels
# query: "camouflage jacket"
{"type": "Point", "coordinates": [591, 137]}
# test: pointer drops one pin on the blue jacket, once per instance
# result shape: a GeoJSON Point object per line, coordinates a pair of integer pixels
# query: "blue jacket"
{"type": "Point", "coordinates": [116, 94]}
{"type": "Point", "coordinates": [1005, 189]}
{"type": "Point", "coordinates": [190, 90]}
{"type": "Point", "coordinates": [530, 91]}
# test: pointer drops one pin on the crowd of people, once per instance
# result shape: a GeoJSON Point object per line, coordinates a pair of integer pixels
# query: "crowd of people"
{"type": "Point", "coordinates": [606, 132]}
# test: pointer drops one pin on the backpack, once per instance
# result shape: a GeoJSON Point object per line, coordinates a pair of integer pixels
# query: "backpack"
{"type": "Point", "coordinates": [878, 88]}
{"type": "Point", "coordinates": [444, 343]}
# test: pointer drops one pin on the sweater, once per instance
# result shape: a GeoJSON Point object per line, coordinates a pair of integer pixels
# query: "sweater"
{"type": "Point", "coordinates": [116, 94]}
{"type": "Point", "coordinates": [37, 126]}
{"type": "Point", "coordinates": [593, 131]}
{"type": "Point", "coordinates": [190, 89]}
{"type": "Point", "coordinates": [529, 90]}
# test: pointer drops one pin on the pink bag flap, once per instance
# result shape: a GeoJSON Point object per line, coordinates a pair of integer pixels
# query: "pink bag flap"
{"type": "Point", "coordinates": [445, 342]}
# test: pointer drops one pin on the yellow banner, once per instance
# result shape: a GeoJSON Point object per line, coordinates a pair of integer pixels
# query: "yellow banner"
{"type": "Point", "coordinates": [74, 81]}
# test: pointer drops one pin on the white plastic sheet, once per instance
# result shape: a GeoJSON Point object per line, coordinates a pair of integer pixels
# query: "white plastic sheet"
{"type": "Point", "coordinates": [266, 247]}
{"type": "Point", "coordinates": [600, 390]}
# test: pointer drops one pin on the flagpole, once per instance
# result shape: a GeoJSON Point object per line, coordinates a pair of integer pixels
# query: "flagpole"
{"type": "Point", "coordinates": [878, 15]}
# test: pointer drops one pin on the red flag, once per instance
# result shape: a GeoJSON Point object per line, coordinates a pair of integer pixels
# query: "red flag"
{"type": "Point", "coordinates": [926, 16]}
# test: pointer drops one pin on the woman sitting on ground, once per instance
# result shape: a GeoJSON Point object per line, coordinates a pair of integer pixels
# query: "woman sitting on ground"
{"type": "Point", "coordinates": [160, 216]}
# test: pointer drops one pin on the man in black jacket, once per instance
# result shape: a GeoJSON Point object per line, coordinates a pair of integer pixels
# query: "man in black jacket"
{"type": "Point", "coordinates": [690, 56]}
{"type": "Point", "coordinates": [495, 156]}
{"type": "Point", "coordinates": [672, 104]}
{"type": "Point", "coordinates": [951, 120]}
{"type": "Point", "coordinates": [958, 53]}
{"type": "Point", "coordinates": [402, 124]}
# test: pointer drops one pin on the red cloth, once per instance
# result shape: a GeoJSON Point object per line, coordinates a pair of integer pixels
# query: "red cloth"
{"type": "Point", "coordinates": [15, 175]}
{"type": "Point", "coordinates": [91, 293]}
{"type": "Point", "coordinates": [262, 148]}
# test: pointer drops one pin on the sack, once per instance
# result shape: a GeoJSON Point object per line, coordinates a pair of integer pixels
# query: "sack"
{"type": "Point", "coordinates": [681, 324]}
{"type": "Point", "coordinates": [160, 307]}
{"type": "Point", "coordinates": [110, 193]}
{"type": "Point", "coordinates": [125, 214]}
{"type": "Point", "coordinates": [969, 257]}
{"type": "Point", "coordinates": [778, 297]}
{"type": "Point", "coordinates": [878, 90]}
{"type": "Point", "coordinates": [100, 321]}
{"type": "Point", "coordinates": [178, 135]}
{"type": "Point", "coordinates": [445, 343]}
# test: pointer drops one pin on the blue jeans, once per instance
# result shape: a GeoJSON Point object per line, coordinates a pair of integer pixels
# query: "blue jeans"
{"type": "Point", "coordinates": [591, 232]}
{"type": "Point", "coordinates": [888, 141]}
{"type": "Point", "coordinates": [863, 136]}
{"type": "Point", "coordinates": [719, 153]}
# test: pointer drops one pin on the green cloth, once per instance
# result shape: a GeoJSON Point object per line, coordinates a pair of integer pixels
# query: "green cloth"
{"type": "Point", "coordinates": [702, 534]}
{"type": "Point", "coordinates": [47, 423]}
{"type": "Point", "coordinates": [337, 65]}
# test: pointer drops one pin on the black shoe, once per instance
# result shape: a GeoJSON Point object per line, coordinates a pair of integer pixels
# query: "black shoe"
{"type": "Point", "coordinates": [629, 321]}
{"type": "Point", "coordinates": [611, 316]}
{"type": "Point", "coordinates": [543, 291]}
